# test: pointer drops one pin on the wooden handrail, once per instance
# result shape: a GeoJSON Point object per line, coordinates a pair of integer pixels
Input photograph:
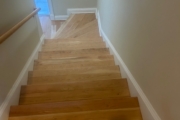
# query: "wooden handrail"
{"type": "Point", "coordinates": [7, 34]}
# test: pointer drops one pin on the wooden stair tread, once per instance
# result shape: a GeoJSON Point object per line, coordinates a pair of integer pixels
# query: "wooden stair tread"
{"type": "Point", "coordinates": [94, 51]}
{"type": "Point", "coordinates": [72, 78]}
{"type": "Point", "coordinates": [71, 57]}
{"type": "Point", "coordinates": [64, 25]}
{"type": "Point", "coordinates": [62, 86]}
{"type": "Point", "coordinates": [72, 22]}
{"type": "Point", "coordinates": [90, 34]}
{"type": "Point", "coordinates": [58, 70]}
{"type": "Point", "coordinates": [118, 114]}
{"type": "Point", "coordinates": [74, 65]}
{"type": "Point", "coordinates": [87, 18]}
{"type": "Point", "coordinates": [72, 44]}
{"type": "Point", "coordinates": [88, 27]}
{"type": "Point", "coordinates": [59, 61]}
{"type": "Point", "coordinates": [73, 95]}
{"type": "Point", "coordinates": [73, 47]}
{"type": "Point", "coordinates": [74, 106]}
{"type": "Point", "coordinates": [68, 43]}
{"type": "Point", "coordinates": [59, 40]}
{"type": "Point", "coordinates": [86, 51]}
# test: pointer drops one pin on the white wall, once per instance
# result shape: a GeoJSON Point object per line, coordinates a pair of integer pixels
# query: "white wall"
{"type": "Point", "coordinates": [16, 50]}
{"type": "Point", "coordinates": [60, 6]}
{"type": "Point", "coordinates": [146, 34]}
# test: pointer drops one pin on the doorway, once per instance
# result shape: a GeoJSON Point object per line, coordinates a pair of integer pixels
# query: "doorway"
{"type": "Point", "coordinates": [43, 4]}
{"type": "Point", "coordinates": [46, 17]}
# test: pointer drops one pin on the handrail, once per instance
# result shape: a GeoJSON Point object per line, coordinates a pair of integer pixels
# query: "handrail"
{"type": "Point", "coordinates": [7, 34]}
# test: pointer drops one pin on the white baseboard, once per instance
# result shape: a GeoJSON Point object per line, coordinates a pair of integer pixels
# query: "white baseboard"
{"type": "Point", "coordinates": [148, 112]}
{"type": "Point", "coordinates": [81, 10]}
{"type": "Point", "coordinates": [13, 95]}
{"type": "Point", "coordinates": [61, 17]}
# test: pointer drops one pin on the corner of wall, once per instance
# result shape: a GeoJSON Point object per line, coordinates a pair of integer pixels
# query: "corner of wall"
{"type": "Point", "coordinates": [13, 96]}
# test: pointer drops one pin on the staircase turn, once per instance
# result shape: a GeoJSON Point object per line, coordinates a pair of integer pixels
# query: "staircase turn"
{"type": "Point", "coordinates": [75, 78]}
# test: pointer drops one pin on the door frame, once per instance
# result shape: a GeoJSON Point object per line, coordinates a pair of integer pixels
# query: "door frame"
{"type": "Point", "coordinates": [51, 9]}
{"type": "Point", "coordinates": [50, 5]}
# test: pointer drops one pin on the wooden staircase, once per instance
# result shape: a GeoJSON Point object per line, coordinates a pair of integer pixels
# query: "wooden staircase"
{"type": "Point", "coordinates": [75, 78]}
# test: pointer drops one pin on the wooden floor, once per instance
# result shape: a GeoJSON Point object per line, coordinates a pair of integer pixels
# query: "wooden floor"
{"type": "Point", "coordinates": [75, 78]}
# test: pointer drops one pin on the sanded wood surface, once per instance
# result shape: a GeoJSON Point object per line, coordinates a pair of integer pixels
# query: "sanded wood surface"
{"type": "Point", "coordinates": [76, 65]}
{"type": "Point", "coordinates": [111, 114]}
{"type": "Point", "coordinates": [72, 78]}
{"type": "Point", "coordinates": [75, 78]}
{"type": "Point", "coordinates": [82, 94]}
{"type": "Point", "coordinates": [74, 106]}
{"type": "Point", "coordinates": [62, 86]}
{"type": "Point", "coordinates": [59, 40]}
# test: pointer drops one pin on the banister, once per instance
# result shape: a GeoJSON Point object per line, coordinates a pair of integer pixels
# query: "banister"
{"type": "Point", "coordinates": [7, 34]}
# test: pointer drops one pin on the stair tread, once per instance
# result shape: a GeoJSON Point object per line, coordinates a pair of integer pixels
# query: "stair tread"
{"type": "Point", "coordinates": [59, 40]}
{"type": "Point", "coordinates": [75, 20]}
{"type": "Point", "coordinates": [72, 44]}
{"type": "Point", "coordinates": [62, 86]}
{"type": "Point", "coordinates": [85, 19]}
{"type": "Point", "coordinates": [73, 47]}
{"type": "Point", "coordinates": [56, 70]}
{"type": "Point", "coordinates": [90, 34]}
{"type": "Point", "coordinates": [73, 95]}
{"type": "Point", "coordinates": [74, 106]}
{"type": "Point", "coordinates": [72, 78]}
{"type": "Point", "coordinates": [96, 51]}
{"type": "Point", "coordinates": [86, 28]}
{"type": "Point", "coordinates": [69, 43]}
{"type": "Point", "coordinates": [119, 114]}
{"type": "Point", "coordinates": [80, 56]}
{"type": "Point", "coordinates": [64, 25]}
{"type": "Point", "coordinates": [57, 61]}
{"type": "Point", "coordinates": [77, 64]}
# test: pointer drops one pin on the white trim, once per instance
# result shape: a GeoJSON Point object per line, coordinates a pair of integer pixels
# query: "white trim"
{"type": "Point", "coordinates": [13, 95]}
{"type": "Point", "coordinates": [148, 112]}
{"type": "Point", "coordinates": [99, 21]}
{"type": "Point", "coordinates": [61, 17]}
{"type": "Point", "coordinates": [52, 17]}
{"type": "Point", "coordinates": [51, 10]}
{"type": "Point", "coordinates": [81, 10]}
